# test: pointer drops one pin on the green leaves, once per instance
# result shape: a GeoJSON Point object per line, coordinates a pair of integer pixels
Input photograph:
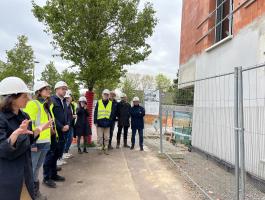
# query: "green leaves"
{"type": "Point", "coordinates": [162, 82]}
{"type": "Point", "coordinates": [70, 79]}
{"type": "Point", "coordinates": [20, 61]}
{"type": "Point", "coordinates": [50, 74]}
{"type": "Point", "coordinates": [99, 36]}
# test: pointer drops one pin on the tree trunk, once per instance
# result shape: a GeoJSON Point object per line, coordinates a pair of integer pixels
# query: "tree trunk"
{"type": "Point", "coordinates": [90, 104]}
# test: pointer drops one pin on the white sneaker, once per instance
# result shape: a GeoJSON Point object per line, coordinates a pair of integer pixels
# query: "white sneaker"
{"type": "Point", "coordinates": [69, 155]}
{"type": "Point", "coordinates": [66, 156]}
{"type": "Point", "coordinates": [64, 162]}
{"type": "Point", "coordinates": [59, 163]}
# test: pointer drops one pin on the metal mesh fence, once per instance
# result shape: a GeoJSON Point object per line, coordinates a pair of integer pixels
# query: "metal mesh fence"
{"type": "Point", "coordinates": [199, 134]}
{"type": "Point", "coordinates": [254, 129]}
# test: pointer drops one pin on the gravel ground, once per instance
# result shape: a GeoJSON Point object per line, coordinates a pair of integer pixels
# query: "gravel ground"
{"type": "Point", "coordinates": [217, 182]}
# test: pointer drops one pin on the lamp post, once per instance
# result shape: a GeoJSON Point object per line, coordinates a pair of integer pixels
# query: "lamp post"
{"type": "Point", "coordinates": [33, 72]}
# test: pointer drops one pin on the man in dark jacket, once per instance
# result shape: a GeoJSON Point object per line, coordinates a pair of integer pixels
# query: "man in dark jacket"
{"type": "Point", "coordinates": [57, 146]}
{"type": "Point", "coordinates": [103, 117]}
{"type": "Point", "coordinates": [137, 113]}
{"type": "Point", "coordinates": [114, 105]}
{"type": "Point", "coordinates": [71, 118]}
{"type": "Point", "coordinates": [123, 114]}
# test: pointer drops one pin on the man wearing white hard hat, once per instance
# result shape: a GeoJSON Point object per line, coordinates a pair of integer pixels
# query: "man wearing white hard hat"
{"type": "Point", "coordinates": [62, 127]}
{"type": "Point", "coordinates": [71, 117]}
{"type": "Point", "coordinates": [103, 117]}
{"type": "Point", "coordinates": [123, 114]}
{"type": "Point", "coordinates": [137, 113]}
{"type": "Point", "coordinates": [16, 137]}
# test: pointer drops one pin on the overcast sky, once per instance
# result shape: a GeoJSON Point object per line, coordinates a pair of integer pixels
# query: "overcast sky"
{"type": "Point", "coordinates": [16, 19]}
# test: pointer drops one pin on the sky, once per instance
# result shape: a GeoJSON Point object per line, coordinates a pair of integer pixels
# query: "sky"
{"type": "Point", "coordinates": [16, 19]}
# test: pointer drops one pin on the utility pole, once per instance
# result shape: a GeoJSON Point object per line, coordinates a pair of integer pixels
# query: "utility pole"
{"type": "Point", "coordinates": [160, 120]}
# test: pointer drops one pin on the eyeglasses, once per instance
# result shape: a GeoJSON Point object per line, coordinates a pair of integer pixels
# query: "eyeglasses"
{"type": "Point", "coordinates": [47, 88]}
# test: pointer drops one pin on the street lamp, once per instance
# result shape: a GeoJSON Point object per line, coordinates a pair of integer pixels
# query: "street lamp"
{"type": "Point", "coordinates": [33, 73]}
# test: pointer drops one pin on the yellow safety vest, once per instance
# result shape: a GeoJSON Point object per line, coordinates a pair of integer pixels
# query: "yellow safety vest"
{"type": "Point", "coordinates": [104, 112]}
{"type": "Point", "coordinates": [38, 115]}
{"type": "Point", "coordinates": [75, 106]}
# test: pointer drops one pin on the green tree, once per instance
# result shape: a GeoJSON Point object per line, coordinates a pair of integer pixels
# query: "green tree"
{"type": "Point", "coordinates": [70, 79]}
{"type": "Point", "coordinates": [162, 82]}
{"type": "Point", "coordinates": [20, 61]}
{"type": "Point", "coordinates": [130, 85]}
{"type": "Point", "coordinates": [148, 82]}
{"type": "Point", "coordinates": [99, 36]}
{"type": "Point", "coordinates": [182, 96]}
{"type": "Point", "coordinates": [50, 74]}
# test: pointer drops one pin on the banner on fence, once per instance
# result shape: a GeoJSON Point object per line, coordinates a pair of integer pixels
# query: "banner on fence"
{"type": "Point", "coordinates": [151, 102]}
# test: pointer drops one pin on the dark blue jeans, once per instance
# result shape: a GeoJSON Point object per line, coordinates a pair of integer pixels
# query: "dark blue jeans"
{"type": "Point", "coordinates": [68, 140]}
{"type": "Point", "coordinates": [141, 137]}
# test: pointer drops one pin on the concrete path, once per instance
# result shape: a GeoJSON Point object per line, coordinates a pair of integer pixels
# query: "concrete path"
{"type": "Point", "coordinates": [122, 175]}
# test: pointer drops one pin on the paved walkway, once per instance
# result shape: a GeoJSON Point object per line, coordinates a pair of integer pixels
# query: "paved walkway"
{"type": "Point", "coordinates": [122, 175]}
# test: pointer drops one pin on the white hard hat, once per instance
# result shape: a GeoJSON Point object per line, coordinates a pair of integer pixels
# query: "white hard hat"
{"type": "Point", "coordinates": [39, 85]}
{"type": "Point", "coordinates": [136, 99]}
{"type": "Point", "coordinates": [13, 85]}
{"type": "Point", "coordinates": [106, 91]}
{"type": "Point", "coordinates": [82, 99]}
{"type": "Point", "coordinates": [123, 95]}
{"type": "Point", "coordinates": [60, 84]}
{"type": "Point", "coordinates": [68, 94]}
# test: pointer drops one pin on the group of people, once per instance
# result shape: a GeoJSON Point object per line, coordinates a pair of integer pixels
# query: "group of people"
{"type": "Point", "coordinates": [37, 132]}
{"type": "Point", "coordinates": [108, 111]}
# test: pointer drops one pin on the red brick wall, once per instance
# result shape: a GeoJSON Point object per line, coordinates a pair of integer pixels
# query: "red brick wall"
{"type": "Point", "coordinates": [247, 15]}
{"type": "Point", "coordinates": [195, 11]}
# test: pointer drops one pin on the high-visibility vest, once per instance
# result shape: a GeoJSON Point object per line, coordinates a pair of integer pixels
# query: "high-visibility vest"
{"type": "Point", "coordinates": [104, 112]}
{"type": "Point", "coordinates": [75, 107]}
{"type": "Point", "coordinates": [38, 115]}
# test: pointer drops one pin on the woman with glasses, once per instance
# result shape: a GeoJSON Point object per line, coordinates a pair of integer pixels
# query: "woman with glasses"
{"type": "Point", "coordinates": [40, 111]}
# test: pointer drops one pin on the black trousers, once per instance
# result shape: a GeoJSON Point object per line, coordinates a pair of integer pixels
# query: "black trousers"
{"type": "Point", "coordinates": [84, 140]}
{"type": "Point", "coordinates": [50, 162]}
{"type": "Point", "coordinates": [111, 133]}
{"type": "Point", "coordinates": [125, 134]}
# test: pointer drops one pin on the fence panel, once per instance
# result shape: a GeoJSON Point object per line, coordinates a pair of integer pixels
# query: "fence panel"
{"type": "Point", "coordinates": [254, 111]}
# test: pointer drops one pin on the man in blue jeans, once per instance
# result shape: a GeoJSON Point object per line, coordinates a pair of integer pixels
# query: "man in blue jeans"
{"type": "Point", "coordinates": [71, 117]}
{"type": "Point", "coordinates": [137, 113]}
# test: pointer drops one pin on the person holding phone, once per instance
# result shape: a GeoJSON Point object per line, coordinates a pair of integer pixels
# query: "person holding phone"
{"type": "Point", "coordinates": [82, 127]}
{"type": "Point", "coordinates": [16, 138]}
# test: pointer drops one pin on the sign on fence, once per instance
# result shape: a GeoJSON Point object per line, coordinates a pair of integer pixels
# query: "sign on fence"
{"type": "Point", "coordinates": [151, 102]}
